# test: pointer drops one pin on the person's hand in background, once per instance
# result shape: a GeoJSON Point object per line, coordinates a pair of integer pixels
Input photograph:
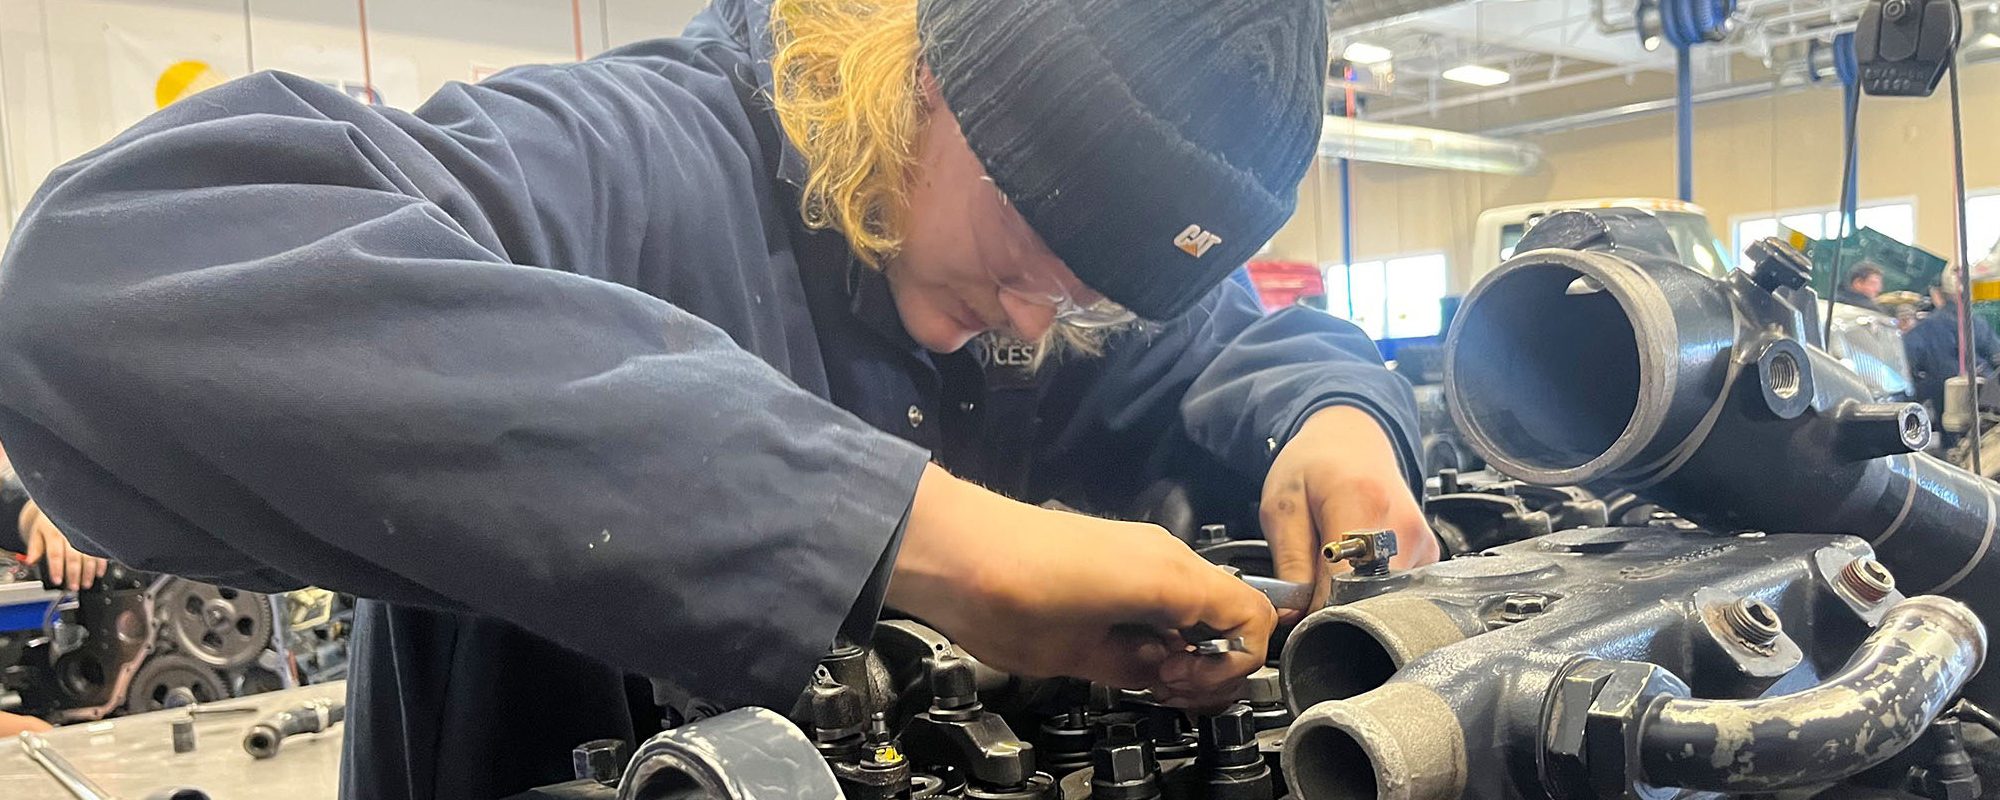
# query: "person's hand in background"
{"type": "Point", "coordinates": [1338, 474]}
{"type": "Point", "coordinates": [64, 565]}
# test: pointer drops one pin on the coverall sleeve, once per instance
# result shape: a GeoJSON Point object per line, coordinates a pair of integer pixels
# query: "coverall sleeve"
{"type": "Point", "coordinates": [1989, 342]}
{"type": "Point", "coordinates": [1238, 383]}
{"type": "Point", "coordinates": [273, 337]}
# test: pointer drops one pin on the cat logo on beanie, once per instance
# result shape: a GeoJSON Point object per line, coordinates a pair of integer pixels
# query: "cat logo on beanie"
{"type": "Point", "coordinates": [1195, 241]}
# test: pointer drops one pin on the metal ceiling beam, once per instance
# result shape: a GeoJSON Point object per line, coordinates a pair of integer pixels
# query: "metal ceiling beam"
{"type": "Point", "coordinates": [1508, 93]}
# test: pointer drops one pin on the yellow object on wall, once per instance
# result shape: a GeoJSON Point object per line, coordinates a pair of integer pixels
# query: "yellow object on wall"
{"type": "Point", "coordinates": [185, 78]}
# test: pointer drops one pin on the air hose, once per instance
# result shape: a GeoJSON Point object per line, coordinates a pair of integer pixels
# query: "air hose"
{"type": "Point", "coordinates": [1684, 24]}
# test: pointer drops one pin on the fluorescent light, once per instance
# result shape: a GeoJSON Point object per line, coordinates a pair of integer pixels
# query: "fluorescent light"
{"type": "Point", "coordinates": [1477, 75]}
{"type": "Point", "coordinates": [1987, 40]}
{"type": "Point", "coordinates": [1365, 53]}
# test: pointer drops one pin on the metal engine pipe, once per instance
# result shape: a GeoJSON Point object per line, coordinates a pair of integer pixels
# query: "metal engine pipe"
{"type": "Point", "coordinates": [1595, 359]}
{"type": "Point", "coordinates": [1899, 680]}
{"type": "Point", "coordinates": [1442, 687]}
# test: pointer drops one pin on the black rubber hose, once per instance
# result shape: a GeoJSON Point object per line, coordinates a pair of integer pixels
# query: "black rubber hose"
{"type": "Point", "coordinates": [1902, 676]}
{"type": "Point", "coordinates": [265, 737]}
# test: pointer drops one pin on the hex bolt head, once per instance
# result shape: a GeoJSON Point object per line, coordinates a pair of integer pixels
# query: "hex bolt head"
{"type": "Point", "coordinates": [1123, 726]}
{"type": "Point", "coordinates": [601, 760]}
{"type": "Point", "coordinates": [1776, 263]}
{"type": "Point", "coordinates": [1123, 763]}
{"type": "Point", "coordinates": [1231, 727]}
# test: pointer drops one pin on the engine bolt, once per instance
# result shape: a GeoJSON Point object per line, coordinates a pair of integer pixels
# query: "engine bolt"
{"type": "Point", "coordinates": [1753, 621]}
{"type": "Point", "coordinates": [1524, 605]}
{"type": "Point", "coordinates": [1867, 579]}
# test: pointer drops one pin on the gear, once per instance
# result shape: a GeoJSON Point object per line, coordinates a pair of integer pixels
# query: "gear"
{"type": "Point", "coordinates": [161, 675]}
{"type": "Point", "coordinates": [218, 626]}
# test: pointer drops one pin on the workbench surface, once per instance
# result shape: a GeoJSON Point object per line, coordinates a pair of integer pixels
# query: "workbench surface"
{"type": "Point", "coordinates": [132, 756]}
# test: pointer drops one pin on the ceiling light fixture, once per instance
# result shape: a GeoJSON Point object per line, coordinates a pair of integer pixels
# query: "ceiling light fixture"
{"type": "Point", "coordinates": [1477, 75]}
{"type": "Point", "coordinates": [1987, 40]}
{"type": "Point", "coordinates": [1365, 53]}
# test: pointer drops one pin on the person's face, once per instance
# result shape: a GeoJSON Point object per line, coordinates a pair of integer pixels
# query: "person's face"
{"type": "Point", "coordinates": [969, 262]}
{"type": "Point", "coordinates": [1868, 286]}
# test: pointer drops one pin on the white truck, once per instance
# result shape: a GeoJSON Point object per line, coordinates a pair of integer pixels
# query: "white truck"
{"type": "Point", "coordinates": [1500, 229]}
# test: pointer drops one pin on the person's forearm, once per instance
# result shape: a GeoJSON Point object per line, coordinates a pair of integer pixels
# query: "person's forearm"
{"type": "Point", "coordinates": [937, 569]}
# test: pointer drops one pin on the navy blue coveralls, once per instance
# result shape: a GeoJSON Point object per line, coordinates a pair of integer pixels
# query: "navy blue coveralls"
{"type": "Point", "coordinates": [1932, 347]}
{"type": "Point", "coordinates": [551, 371]}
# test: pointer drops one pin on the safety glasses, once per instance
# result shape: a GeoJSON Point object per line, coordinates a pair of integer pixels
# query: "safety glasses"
{"type": "Point", "coordinates": [1076, 306]}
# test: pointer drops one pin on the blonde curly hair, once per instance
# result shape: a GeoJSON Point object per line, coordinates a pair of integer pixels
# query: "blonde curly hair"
{"type": "Point", "coordinates": [846, 87]}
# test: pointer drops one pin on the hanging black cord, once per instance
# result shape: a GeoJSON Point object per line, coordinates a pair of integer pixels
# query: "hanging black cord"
{"type": "Point", "coordinates": [1847, 204]}
{"type": "Point", "coordinates": [1965, 340]}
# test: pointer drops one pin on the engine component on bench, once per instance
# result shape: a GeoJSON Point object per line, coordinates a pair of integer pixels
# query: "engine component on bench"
{"type": "Point", "coordinates": [264, 738]}
{"type": "Point", "coordinates": [1461, 683]}
{"type": "Point", "coordinates": [219, 626]}
{"type": "Point", "coordinates": [1594, 358]}
{"type": "Point", "coordinates": [162, 677]}
{"type": "Point", "coordinates": [82, 666]}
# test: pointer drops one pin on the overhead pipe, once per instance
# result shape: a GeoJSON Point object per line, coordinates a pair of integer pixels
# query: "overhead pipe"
{"type": "Point", "coordinates": [1347, 210]}
{"type": "Point", "coordinates": [1358, 16]}
{"type": "Point", "coordinates": [1595, 358]}
{"type": "Point", "coordinates": [1643, 108]}
{"type": "Point", "coordinates": [1412, 146]}
{"type": "Point", "coordinates": [1513, 91]}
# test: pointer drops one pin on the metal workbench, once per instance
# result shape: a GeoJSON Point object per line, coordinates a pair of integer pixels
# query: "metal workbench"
{"type": "Point", "coordinates": [131, 756]}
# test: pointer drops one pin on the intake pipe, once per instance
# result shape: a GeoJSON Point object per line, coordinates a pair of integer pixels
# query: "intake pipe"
{"type": "Point", "coordinates": [1399, 742]}
{"type": "Point", "coordinates": [1595, 358]}
{"type": "Point", "coordinates": [1897, 682]}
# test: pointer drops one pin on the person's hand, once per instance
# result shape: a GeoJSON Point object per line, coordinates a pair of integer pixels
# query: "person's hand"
{"type": "Point", "coordinates": [1041, 593]}
{"type": "Point", "coordinates": [66, 566]}
{"type": "Point", "coordinates": [1338, 474]}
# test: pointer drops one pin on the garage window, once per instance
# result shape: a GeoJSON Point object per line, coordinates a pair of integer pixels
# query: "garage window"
{"type": "Point", "coordinates": [1393, 298]}
{"type": "Point", "coordinates": [1982, 224]}
{"type": "Point", "coordinates": [1897, 220]}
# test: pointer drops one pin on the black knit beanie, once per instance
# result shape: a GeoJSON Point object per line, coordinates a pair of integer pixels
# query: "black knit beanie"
{"type": "Point", "coordinates": [1154, 144]}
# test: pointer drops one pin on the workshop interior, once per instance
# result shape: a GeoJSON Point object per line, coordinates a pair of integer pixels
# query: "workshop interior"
{"type": "Point", "coordinates": [1695, 300]}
